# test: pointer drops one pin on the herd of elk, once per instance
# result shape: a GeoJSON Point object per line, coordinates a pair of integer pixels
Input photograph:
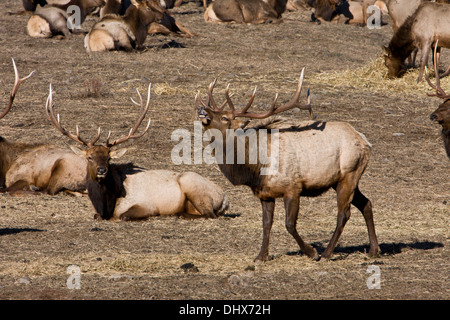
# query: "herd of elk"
{"type": "Point", "coordinates": [341, 11]}
{"type": "Point", "coordinates": [129, 192]}
{"type": "Point", "coordinates": [429, 23]}
{"type": "Point", "coordinates": [53, 19]}
{"type": "Point", "coordinates": [28, 167]}
{"type": "Point", "coordinates": [312, 157]}
{"type": "Point", "coordinates": [127, 32]}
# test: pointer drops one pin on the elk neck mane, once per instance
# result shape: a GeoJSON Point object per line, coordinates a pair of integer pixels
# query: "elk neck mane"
{"type": "Point", "coordinates": [107, 191]}
{"type": "Point", "coordinates": [402, 43]}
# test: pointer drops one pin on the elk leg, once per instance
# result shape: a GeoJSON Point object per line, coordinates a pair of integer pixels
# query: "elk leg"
{"type": "Point", "coordinates": [425, 50]}
{"type": "Point", "coordinates": [344, 196]}
{"type": "Point", "coordinates": [134, 213]}
{"type": "Point", "coordinates": [365, 206]}
{"type": "Point", "coordinates": [291, 205]}
{"type": "Point", "coordinates": [268, 207]}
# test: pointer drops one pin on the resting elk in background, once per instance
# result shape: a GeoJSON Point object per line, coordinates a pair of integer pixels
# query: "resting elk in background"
{"type": "Point", "coordinates": [38, 167]}
{"type": "Point", "coordinates": [52, 20]}
{"type": "Point", "coordinates": [430, 22]}
{"type": "Point", "coordinates": [312, 157]}
{"type": "Point", "coordinates": [442, 114]}
{"type": "Point", "coordinates": [128, 192]}
{"type": "Point", "coordinates": [341, 11]}
{"type": "Point", "coordinates": [167, 25]}
{"type": "Point", "coordinates": [245, 11]}
{"type": "Point", "coordinates": [127, 32]}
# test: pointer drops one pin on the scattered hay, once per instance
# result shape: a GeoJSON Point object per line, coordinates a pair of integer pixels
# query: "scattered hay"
{"type": "Point", "coordinates": [373, 76]}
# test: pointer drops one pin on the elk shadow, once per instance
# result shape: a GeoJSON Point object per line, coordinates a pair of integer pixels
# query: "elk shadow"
{"type": "Point", "coordinates": [8, 231]}
{"type": "Point", "coordinates": [386, 249]}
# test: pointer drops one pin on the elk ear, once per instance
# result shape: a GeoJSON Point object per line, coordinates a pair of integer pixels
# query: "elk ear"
{"type": "Point", "coordinates": [116, 154]}
{"type": "Point", "coordinates": [386, 50]}
{"type": "Point", "coordinates": [78, 151]}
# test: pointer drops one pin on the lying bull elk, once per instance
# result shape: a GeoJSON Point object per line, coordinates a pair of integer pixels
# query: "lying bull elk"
{"type": "Point", "coordinates": [52, 20]}
{"type": "Point", "coordinates": [431, 21]}
{"type": "Point", "coordinates": [36, 167]}
{"type": "Point", "coordinates": [312, 157]}
{"type": "Point", "coordinates": [127, 32]}
{"type": "Point", "coordinates": [442, 114]}
{"type": "Point", "coordinates": [128, 192]}
{"type": "Point", "coordinates": [245, 11]}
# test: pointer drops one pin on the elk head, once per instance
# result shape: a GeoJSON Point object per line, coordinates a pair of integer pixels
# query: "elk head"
{"type": "Point", "coordinates": [149, 10]}
{"type": "Point", "coordinates": [99, 156]}
{"type": "Point", "coordinates": [442, 114]}
{"type": "Point", "coordinates": [213, 116]}
{"type": "Point", "coordinates": [392, 63]}
{"type": "Point", "coordinates": [18, 81]}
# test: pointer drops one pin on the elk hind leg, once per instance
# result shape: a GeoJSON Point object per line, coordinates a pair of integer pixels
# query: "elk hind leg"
{"type": "Point", "coordinates": [365, 206]}
{"type": "Point", "coordinates": [344, 190]}
{"type": "Point", "coordinates": [291, 205]}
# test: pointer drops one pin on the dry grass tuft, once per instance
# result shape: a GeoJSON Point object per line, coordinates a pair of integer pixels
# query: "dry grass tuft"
{"type": "Point", "coordinates": [373, 76]}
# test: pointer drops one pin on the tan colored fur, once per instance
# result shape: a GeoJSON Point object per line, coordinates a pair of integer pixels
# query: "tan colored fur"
{"type": "Point", "coordinates": [51, 20]}
{"type": "Point", "coordinates": [126, 32]}
{"type": "Point", "coordinates": [162, 192]}
{"type": "Point", "coordinates": [245, 11]}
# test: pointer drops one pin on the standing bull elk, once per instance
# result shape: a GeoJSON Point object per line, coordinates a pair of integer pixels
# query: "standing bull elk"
{"type": "Point", "coordinates": [442, 114]}
{"type": "Point", "coordinates": [39, 167]}
{"type": "Point", "coordinates": [312, 157]}
{"type": "Point", "coordinates": [127, 32]}
{"type": "Point", "coordinates": [52, 20]}
{"type": "Point", "coordinates": [128, 192]}
{"type": "Point", "coordinates": [431, 21]}
{"type": "Point", "coordinates": [245, 11]}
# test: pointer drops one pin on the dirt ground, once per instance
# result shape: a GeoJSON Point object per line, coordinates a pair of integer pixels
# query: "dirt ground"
{"type": "Point", "coordinates": [407, 178]}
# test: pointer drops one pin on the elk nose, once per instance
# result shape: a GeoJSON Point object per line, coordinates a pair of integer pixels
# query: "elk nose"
{"type": "Point", "coordinates": [433, 117]}
{"type": "Point", "coordinates": [101, 171]}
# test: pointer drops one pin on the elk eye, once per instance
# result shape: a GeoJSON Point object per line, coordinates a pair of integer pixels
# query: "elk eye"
{"type": "Point", "coordinates": [225, 119]}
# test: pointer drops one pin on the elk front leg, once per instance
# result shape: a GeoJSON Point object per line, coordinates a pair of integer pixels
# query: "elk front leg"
{"type": "Point", "coordinates": [268, 207]}
{"type": "Point", "coordinates": [291, 205]}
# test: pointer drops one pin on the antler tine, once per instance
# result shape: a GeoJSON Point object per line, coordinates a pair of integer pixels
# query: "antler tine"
{"type": "Point", "coordinates": [293, 103]}
{"type": "Point", "coordinates": [17, 82]}
{"type": "Point", "coordinates": [211, 100]}
{"type": "Point", "coordinates": [131, 134]}
{"type": "Point", "coordinates": [57, 122]}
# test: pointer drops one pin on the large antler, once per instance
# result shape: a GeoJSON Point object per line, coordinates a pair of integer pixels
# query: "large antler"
{"type": "Point", "coordinates": [76, 137]}
{"type": "Point", "coordinates": [440, 93]}
{"type": "Point", "coordinates": [57, 122]}
{"type": "Point", "coordinates": [16, 86]}
{"type": "Point", "coordinates": [131, 134]}
{"type": "Point", "coordinates": [293, 103]}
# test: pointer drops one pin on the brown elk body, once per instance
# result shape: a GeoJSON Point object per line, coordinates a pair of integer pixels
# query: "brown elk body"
{"type": "Point", "coordinates": [348, 12]}
{"type": "Point", "coordinates": [442, 114]}
{"type": "Point", "coordinates": [52, 19]}
{"type": "Point", "coordinates": [312, 157]}
{"type": "Point", "coordinates": [39, 167]}
{"type": "Point", "coordinates": [127, 32]}
{"type": "Point", "coordinates": [167, 25]}
{"type": "Point", "coordinates": [429, 23]}
{"type": "Point", "coordinates": [128, 192]}
{"type": "Point", "coordinates": [245, 11]}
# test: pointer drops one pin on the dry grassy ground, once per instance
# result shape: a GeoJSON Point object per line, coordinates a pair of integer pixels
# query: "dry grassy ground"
{"type": "Point", "coordinates": [407, 178]}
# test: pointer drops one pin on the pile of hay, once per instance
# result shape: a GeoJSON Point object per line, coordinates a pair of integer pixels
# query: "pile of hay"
{"type": "Point", "coordinates": [374, 77]}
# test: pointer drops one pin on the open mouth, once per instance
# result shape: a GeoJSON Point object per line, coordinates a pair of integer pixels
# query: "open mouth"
{"type": "Point", "coordinates": [203, 116]}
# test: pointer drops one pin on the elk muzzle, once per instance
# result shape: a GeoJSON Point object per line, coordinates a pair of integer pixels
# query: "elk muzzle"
{"type": "Point", "coordinates": [204, 116]}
